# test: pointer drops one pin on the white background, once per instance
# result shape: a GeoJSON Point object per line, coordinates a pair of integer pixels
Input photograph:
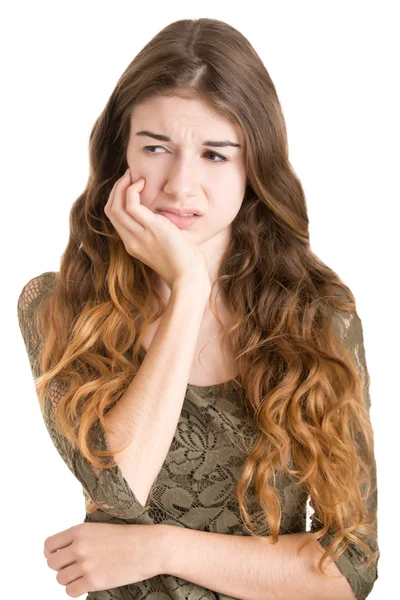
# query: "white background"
{"type": "Point", "coordinates": [336, 70]}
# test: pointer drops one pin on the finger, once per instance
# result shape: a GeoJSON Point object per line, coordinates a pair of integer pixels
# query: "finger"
{"type": "Point", "coordinates": [127, 228]}
{"type": "Point", "coordinates": [133, 208]}
{"type": "Point", "coordinates": [80, 586]}
{"type": "Point", "coordinates": [116, 208]}
{"type": "Point", "coordinates": [122, 182]}
{"type": "Point", "coordinates": [124, 222]}
{"type": "Point", "coordinates": [61, 559]}
{"type": "Point", "coordinates": [69, 574]}
{"type": "Point", "coordinates": [59, 540]}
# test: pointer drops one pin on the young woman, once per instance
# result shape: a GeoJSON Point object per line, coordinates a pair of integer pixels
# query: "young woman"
{"type": "Point", "coordinates": [203, 376]}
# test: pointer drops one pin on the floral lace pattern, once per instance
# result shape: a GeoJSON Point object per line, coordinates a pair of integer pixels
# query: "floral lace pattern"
{"type": "Point", "coordinates": [195, 487]}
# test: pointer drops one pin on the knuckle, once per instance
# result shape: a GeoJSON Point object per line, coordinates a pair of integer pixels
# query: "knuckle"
{"type": "Point", "coordinates": [94, 584]}
{"type": "Point", "coordinates": [79, 549]}
{"type": "Point", "coordinates": [130, 248]}
{"type": "Point", "coordinates": [130, 208]}
{"type": "Point", "coordinates": [78, 531]}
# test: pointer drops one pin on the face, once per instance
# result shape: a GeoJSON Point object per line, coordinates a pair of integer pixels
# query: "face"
{"type": "Point", "coordinates": [184, 171]}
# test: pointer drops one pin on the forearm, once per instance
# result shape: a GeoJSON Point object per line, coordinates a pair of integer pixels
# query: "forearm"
{"type": "Point", "coordinates": [246, 568]}
{"type": "Point", "coordinates": [150, 408]}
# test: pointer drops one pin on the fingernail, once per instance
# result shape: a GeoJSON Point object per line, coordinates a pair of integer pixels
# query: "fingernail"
{"type": "Point", "coordinates": [127, 171]}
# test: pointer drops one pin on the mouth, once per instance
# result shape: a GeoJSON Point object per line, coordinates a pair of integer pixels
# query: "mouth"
{"type": "Point", "coordinates": [187, 212]}
{"type": "Point", "coordinates": [182, 222]}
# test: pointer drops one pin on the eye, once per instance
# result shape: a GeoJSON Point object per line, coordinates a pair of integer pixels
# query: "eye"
{"type": "Point", "coordinates": [221, 158]}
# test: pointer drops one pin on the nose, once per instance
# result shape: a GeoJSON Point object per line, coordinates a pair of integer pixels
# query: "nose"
{"type": "Point", "coordinates": [182, 178]}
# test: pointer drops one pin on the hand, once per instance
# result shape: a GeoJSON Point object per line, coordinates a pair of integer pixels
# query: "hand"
{"type": "Point", "coordinates": [90, 557]}
{"type": "Point", "coordinates": [152, 238]}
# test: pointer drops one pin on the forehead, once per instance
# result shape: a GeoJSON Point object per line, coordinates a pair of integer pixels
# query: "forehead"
{"type": "Point", "coordinates": [172, 115]}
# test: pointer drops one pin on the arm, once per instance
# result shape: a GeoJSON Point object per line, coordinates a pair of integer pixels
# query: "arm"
{"type": "Point", "coordinates": [349, 328]}
{"type": "Point", "coordinates": [152, 403]}
{"type": "Point", "coordinates": [247, 568]}
{"type": "Point", "coordinates": [107, 488]}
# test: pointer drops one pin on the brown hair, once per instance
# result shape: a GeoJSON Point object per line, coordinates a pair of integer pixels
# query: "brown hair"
{"type": "Point", "coordinates": [282, 297]}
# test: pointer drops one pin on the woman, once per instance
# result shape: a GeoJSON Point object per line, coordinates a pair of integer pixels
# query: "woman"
{"type": "Point", "coordinates": [214, 357]}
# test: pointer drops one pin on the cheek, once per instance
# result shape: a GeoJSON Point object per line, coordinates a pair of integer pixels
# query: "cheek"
{"type": "Point", "coordinates": [226, 192]}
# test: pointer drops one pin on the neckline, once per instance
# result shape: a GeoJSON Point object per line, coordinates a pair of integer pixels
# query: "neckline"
{"type": "Point", "coordinates": [213, 385]}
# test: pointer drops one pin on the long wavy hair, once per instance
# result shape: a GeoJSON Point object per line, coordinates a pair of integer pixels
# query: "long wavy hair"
{"type": "Point", "coordinates": [309, 402]}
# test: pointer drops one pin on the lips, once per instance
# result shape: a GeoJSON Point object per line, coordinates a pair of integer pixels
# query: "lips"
{"type": "Point", "coordinates": [181, 212]}
{"type": "Point", "coordinates": [179, 221]}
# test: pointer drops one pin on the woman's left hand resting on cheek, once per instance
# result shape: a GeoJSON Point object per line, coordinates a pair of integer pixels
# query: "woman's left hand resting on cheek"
{"type": "Point", "coordinates": [90, 557]}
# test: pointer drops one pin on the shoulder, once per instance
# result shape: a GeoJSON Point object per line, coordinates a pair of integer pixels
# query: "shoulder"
{"type": "Point", "coordinates": [30, 297]}
{"type": "Point", "coordinates": [34, 289]}
{"type": "Point", "coordinates": [342, 312]}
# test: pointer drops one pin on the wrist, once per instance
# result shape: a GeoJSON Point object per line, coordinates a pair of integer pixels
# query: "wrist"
{"type": "Point", "coordinates": [196, 291]}
{"type": "Point", "coordinates": [197, 283]}
{"type": "Point", "coordinates": [165, 548]}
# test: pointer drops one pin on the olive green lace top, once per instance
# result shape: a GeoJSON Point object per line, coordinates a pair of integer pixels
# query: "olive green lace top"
{"type": "Point", "coordinates": [195, 487]}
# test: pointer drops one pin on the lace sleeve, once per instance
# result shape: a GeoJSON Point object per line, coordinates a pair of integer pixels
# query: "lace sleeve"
{"type": "Point", "coordinates": [107, 488]}
{"type": "Point", "coordinates": [349, 327]}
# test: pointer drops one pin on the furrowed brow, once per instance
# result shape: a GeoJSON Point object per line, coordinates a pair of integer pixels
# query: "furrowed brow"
{"type": "Point", "coordinates": [165, 138]}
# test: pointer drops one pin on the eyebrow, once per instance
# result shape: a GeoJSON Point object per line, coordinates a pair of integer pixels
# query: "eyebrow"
{"type": "Point", "coordinates": [165, 138]}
